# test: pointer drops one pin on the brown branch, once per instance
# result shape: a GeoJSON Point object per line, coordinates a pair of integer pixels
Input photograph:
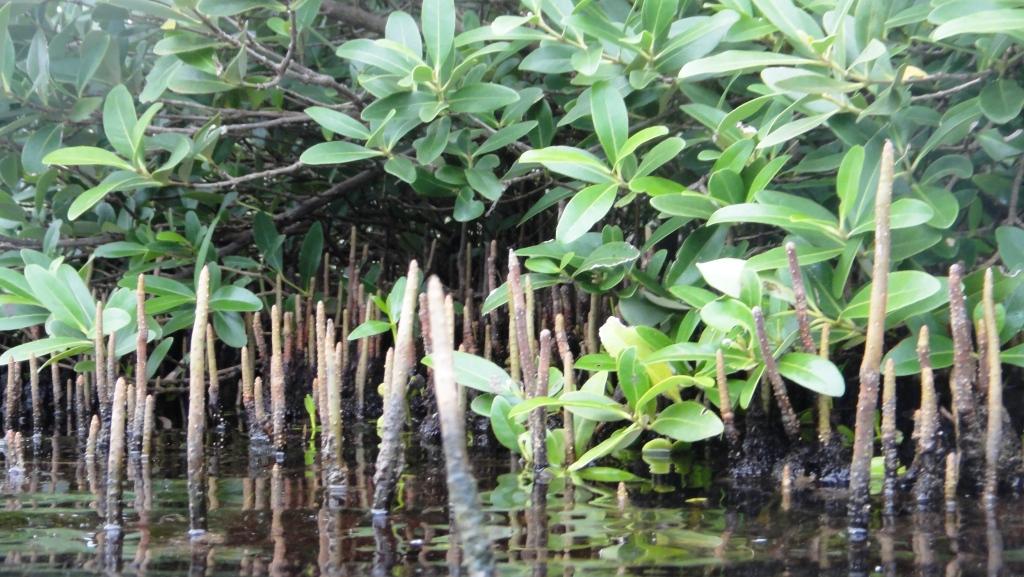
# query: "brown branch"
{"type": "Point", "coordinates": [232, 182]}
{"type": "Point", "coordinates": [9, 243]}
{"type": "Point", "coordinates": [354, 15]}
{"type": "Point", "coordinates": [306, 207]}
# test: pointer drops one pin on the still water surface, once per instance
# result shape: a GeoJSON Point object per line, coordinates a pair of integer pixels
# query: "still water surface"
{"type": "Point", "coordinates": [281, 523]}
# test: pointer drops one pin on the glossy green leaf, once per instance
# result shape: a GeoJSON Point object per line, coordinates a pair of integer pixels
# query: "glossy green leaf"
{"type": "Point", "coordinates": [1001, 101]}
{"type": "Point", "coordinates": [609, 255]}
{"type": "Point", "coordinates": [481, 97]}
{"type": "Point", "coordinates": [688, 421]}
{"type": "Point", "coordinates": [611, 120]}
{"type": "Point", "coordinates": [119, 120]}
{"type": "Point", "coordinates": [230, 298]}
{"type": "Point", "coordinates": [585, 209]}
{"type": "Point", "coordinates": [994, 21]}
{"type": "Point", "coordinates": [480, 374]}
{"type": "Point", "coordinates": [905, 288]}
{"type": "Point", "coordinates": [572, 162]}
{"type": "Point", "coordinates": [368, 329]}
{"type": "Point", "coordinates": [338, 122]}
{"type": "Point", "coordinates": [437, 19]}
{"type": "Point", "coordinates": [813, 372]}
{"type": "Point", "coordinates": [86, 156]}
{"type": "Point", "coordinates": [732, 61]}
{"type": "Point", "coordinates": [337, 152]}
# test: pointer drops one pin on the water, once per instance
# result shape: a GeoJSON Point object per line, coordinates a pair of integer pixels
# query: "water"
{"type": "Point", "coordinates": [267, 524]}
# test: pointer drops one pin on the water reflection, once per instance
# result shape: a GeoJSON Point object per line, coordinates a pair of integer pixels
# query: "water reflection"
{"type": "Point", "coordinates": [281, 520]}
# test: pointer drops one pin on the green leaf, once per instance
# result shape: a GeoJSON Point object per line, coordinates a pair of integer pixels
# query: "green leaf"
{"type": "Point", "coordinates": [164, 286]}
{"type": "Point", "coordinates": [609, 255]}
{"type": "Point", "coordinates": [41, 348]}
{"type": "Point", "coordinates": [504, 137]}
{"type": "Point", "coordinates": [780, 216]}
{"type": "Point", "coordinates": [814, 83]}
{"type": "Point", "coordinates": [481, 97]}
{"type": "Point", "coordinates": [611, 120]}
{"type": "Point", "coordinates": [776, 258]}
{"type": "Point", "coordinates": [813, 372]}
{"type": "Point", "coordinates": [905, 288]}
{"type": "Point", "coordinates": [120, 180]}
{"type": "Point", "coordinates": [696, 352]}
{"type": "Point", "coordinates": [499, 296]}
{"type": "Point", "coordinates": [848, 181]}
{"type": "Point", "coordinates": [725, 314]}
{"type": "Point", "coordinates": [21, 321]}
{"type": "Point", "coordinates": [230, 328]}
{"type": "Point", "coordinates": [904, 213]}
{"type": "Point", "coordinates": [59, 298]}
{"type": "Point", "coordinates": [390, 57]}
{"type": "Point", "coordinates": [731, 61]}
{"type": "Point", "coordinates": [724, 274]}
{"type": "Point", "coordinates": [657, 156]}
{"type": "Point", "coordinates": [688, 421]}
{"type": "Point", "coordinates": [1010, 240]}
{"type": "Point", "coordinates": [230, 298]}
{"type": "Point", "coordinates": [86, 156]}
{"type": "Point", "coordinates": [657, 15]}
{"type": "Point", "coordinates": [221, 8]}
{"type": "Point", "coordinates": [337, 152]}
{"type": "Point", "coordinates": [633, 379]}
{"type": "Point", "coordinates": [42, 142]}
{"type": "Point", "coordinates": [586, 405]}
{"type": "Point", "coordinates": [793, 129]}
{"type": "Point", "coordinates": [120, 249]}
{"type": "Point", "coordinates": [93, 50]}
{"type": "Point", "coordinates": [1001, 101]}
{"type": "Point", "coordinates": [906, 361]}
{"type": "Point", "coordinates": [311, 252]}
{"type": "Point", "coordinates": [467, 208]}
{"type": "Point", "coordinates": [620, 439]}
{"type": "Point", "coordinates": [686, 203]}
{"type": "Point", "coordinates": [796, 25]}
{"type": "Point", "coordinates": [505, 428]}
{"type": "Point", "coordinates": [402, 29]}
{"type": "Point", "coordinates": [997, 21]}
{"type": "Point", "coordinates": [1013, 356]}
{"type": "Point", "coordinates": [611, 474]}
{"type": "Point", "coordinates": [159, 77]}
{"type": "Point", "coordinates": [572, 162]}
{"type": "Point", "coordinates": [338, 122]}
{"type": "Point", "coordinates": [119, 120]}
{"type": "Point", "coordinates": [480, 374]}
{"type": "Point", "coordinates": [437, 18]}
{"type": "Point", "coordinates": [637, 140]}
{"type": "Point", "coordinates": [368, 329]}
{"type": "Point", "coordinates": [191, 80]}
{"type": "Point", "coordinates": [585, 209]}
